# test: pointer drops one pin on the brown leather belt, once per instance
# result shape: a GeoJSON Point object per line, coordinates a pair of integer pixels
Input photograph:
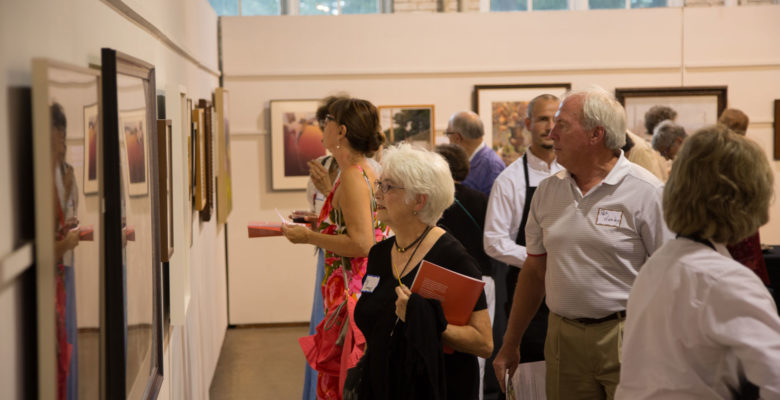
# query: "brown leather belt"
{"type": "Point", "coordinates": [593, 321]}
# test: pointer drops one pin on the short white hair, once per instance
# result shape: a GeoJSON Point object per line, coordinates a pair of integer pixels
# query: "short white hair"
{"type": "Point", "coordinates": [421, 172]}
{"type": "Point", "coordinates": [599, 108]}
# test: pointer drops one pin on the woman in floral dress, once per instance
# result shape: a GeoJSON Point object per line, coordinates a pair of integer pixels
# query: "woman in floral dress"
{"type": "Point", "coordinates": [346, 229]}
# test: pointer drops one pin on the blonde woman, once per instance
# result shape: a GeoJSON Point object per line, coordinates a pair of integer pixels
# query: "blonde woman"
{"type": "Point", "coordinates": [699, 324]}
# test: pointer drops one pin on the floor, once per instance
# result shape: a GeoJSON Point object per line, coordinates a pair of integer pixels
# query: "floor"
{"type": "Point", "coordinates": [260, 363]}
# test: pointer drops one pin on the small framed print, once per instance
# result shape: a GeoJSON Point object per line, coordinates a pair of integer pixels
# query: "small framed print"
{"type": "Point", "coordinates": [91, 148]}
{"type": "Point", "coordinates": [412, 124]}
{"type": "Point", "coordinates": [296, 138]}
{"type": "Point", "coordinates": [134, 137]}
{"type": "Point", "coordinates": [165, 182]}
{"type": "Point", "coordinates": [199, 149]}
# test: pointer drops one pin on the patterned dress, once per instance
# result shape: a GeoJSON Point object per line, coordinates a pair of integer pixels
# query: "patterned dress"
{"type": "Point", "coordinates": [340, 288]}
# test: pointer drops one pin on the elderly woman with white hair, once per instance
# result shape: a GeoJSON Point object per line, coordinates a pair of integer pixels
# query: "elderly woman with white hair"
{"type": "Point", "coordinates": [699, 324]}
{"type": "Point", "coordinates": [405, 333]}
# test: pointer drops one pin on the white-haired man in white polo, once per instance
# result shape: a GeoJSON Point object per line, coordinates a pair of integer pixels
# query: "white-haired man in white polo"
{"type": "Point", "coordinates": [590, 229]}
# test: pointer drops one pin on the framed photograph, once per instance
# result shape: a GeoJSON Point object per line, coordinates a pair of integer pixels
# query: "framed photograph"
{"type": "Point", "coordinates": [91, 146]}
{"type": "Point", "coordinates": [69, 230]}
{"type": "Point", "coordinates": [165, 187]}
{"type": "Point", "coordinates": [224, 185]}
{"type": "Point", "coordinates": [199, 149]}
{"type": "Point", "coordinates": [190, 128]}
{"type": "Point", "coordinates": [696, 106]}
{"type": "Point", "coordinates": [777, 129]}
{"type": "Point", "coordinates": [296, 138]}
{"type": "Point", "coordinates": [208, 142]}
{"type": "Point", "coordinates": [503, 109]}
{"type": "Point", "coordinates": [413, 124]}
{"type": "Point", "coordinates": [133, 127]}
{"type": "Point", "coordinates": [133, 272]}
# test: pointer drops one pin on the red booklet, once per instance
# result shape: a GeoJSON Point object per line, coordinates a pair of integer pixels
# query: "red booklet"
{"type": "Point", "coordinates": [457, 293]}
{"type": "Point", "coordinates": [264, 229]}
{"type": "Point", "coordinates": [86, 233]}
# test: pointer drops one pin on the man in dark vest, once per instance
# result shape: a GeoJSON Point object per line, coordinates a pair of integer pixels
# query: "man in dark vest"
{"type": "Point", "coordinates": [510, 199]}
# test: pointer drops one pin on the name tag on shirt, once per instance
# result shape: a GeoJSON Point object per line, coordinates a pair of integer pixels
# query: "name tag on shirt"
{"type": "Point", "coordinates": [609, 217]}
{"type": "Point", "coordinates": [372, 281]}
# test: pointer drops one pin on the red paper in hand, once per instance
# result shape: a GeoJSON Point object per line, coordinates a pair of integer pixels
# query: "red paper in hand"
{"type": "Point", "coordinates": [86, 233]}
{"type": "Point", "coordinates": [264, 229]}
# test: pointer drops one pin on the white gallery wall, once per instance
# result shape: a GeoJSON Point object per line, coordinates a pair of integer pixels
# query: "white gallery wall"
{"type": "Point", "coordinates": [179, 38]}
{"type": "Point", "coordinates": [437, 59]}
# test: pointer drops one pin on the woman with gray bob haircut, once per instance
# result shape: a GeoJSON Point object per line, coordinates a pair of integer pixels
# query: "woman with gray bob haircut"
{"type": "Point", "coordinates": [699, 324]}
{"type": "Point", "coordinates": [667, 138]}
{"type": "Point", "coordinates": [404, 332]}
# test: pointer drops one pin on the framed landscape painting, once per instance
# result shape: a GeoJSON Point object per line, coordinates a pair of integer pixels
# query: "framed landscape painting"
{"type": "Point", "coordinates": [696, 106]}
{"type": "Point", "coordinates": [296, 138]}
{"type": "Point", "coordinates": [412, 123]}
{"type": "Point", "coordinates": [503, 109]}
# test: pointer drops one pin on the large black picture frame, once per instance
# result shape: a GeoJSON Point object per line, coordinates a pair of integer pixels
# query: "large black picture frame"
{"type": "Point", "coordinates": [131, 236]}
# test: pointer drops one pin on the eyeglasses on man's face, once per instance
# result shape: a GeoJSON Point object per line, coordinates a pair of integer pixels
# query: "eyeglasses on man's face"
{"type": "Point", "coordinates": [325, 120]}
{"type": "Point", "coordinates": [385, 187]}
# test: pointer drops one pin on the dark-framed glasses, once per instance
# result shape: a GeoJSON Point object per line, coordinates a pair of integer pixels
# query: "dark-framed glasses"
{"type": "Point", "coordinates": [325, 120]}
{"type": "Point", "coordinates": [385, 187]}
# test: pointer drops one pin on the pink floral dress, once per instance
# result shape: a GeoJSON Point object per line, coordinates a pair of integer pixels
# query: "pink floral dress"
{"type": "Point", "coordinates": [338, 344]}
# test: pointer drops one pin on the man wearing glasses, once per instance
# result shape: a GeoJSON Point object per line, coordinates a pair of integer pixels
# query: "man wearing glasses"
{"type": "Point", "coordinates": [590, 229]}
{"type": "Point", "coordinates": [465, 129]}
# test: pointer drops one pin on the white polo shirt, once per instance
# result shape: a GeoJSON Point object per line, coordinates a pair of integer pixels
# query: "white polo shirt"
{"type": "Point", "coordinates": [505, 208]}
{"type": "Point", "coordinates": [697, 321]}
{"type": "Point", "coordinates": [596, 243]}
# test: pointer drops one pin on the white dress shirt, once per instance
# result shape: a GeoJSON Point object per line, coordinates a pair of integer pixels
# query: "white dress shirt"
{"type": "Point", "coordinates": [595, 243]}
{"type": "Point", "coordinates": [696, 321]}
{"type": "Point", "coordinates": [505, 208]}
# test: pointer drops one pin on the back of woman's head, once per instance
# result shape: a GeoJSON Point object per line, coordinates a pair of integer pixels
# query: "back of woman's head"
{"type": "Point", "coordinates": [362, 121]}
{"type": "Point", "coordinates": [719, 188]}
{"type": "Point", "coordinates": [420, 172]}
{"type": "Point", "coordinates": [457, 158]}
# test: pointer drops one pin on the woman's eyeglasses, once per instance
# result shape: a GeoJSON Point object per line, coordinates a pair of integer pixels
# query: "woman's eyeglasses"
{"type": "Point", "coordinates": [385, 187]}
{"type": "Point", "coordinates": [325, 120]}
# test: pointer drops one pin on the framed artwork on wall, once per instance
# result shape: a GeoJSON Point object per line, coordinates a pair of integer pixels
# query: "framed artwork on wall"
{"type": "Point", "coordinates": [133, 272]}
{"type": "Point", "coordinates": [224, 184]}
{"type": "Point", "coordinates": [296, 138]}
{"type": "Point", "coordinates": [133, 127]}
{"type": "Point", "coordinates": [503, 109]}
{"type": "Point", "coordinates": [413, 124]}
{"type": "Point", "coordinates": [190, 128]}
{"type": "Point", "coordinates": [91, 148]}
{"type": "Point", "coordinates": [208, 141]}
{"type": "Point", "coordinates": [69, 229]}
{"type": "Point", "coordinates": [165, 187]}
{"type": "Point", "coordinates": [696, 106]}
{"type": "Point", "coordinates": [777, 129]}
{"type": "Point", "coordinates": [199, 149]}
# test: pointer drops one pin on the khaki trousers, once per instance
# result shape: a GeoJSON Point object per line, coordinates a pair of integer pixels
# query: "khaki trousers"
{"type": "Point", "coordinates": [583, 361]}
